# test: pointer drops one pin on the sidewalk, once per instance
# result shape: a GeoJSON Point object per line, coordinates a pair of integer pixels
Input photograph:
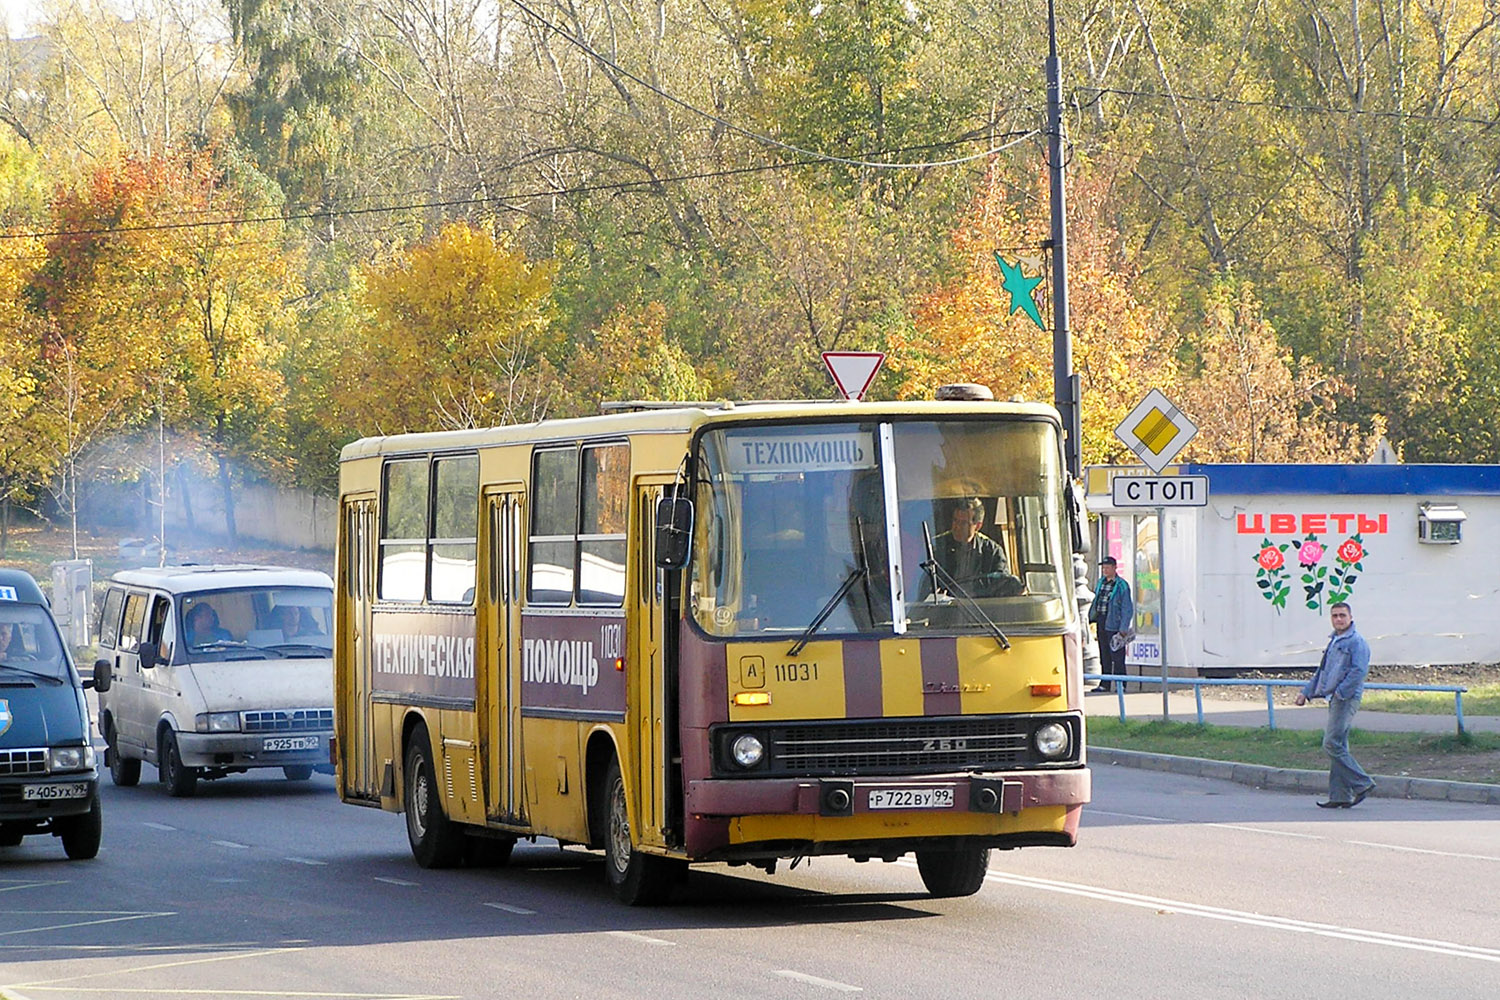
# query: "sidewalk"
{"type": "Point", "coordinates": [1182, 707]}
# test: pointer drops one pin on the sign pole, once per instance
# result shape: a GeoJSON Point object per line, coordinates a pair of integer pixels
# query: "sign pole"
{"type": "Point", "coordinates": [1161, 604]}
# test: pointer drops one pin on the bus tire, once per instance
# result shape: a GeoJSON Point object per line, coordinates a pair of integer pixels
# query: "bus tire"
{"type": "Point", "coordinates": [637, 879]}
{"type": "Point", "coordinates": [436, 841]}
{"type": "Point", "coordinates": [181, 780]}
{"type": "Point", "coordinates": [124, 772]}
{"type": "Point", "coordinates": [948, 873]}
{"type": "Point", "coordinates": [81, 834]}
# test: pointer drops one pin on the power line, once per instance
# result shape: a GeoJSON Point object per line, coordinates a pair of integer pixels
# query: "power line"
{"type": "Point", "coordinates": [1322, 109]}
{"type": "Point", "coordinates": [503, 202]}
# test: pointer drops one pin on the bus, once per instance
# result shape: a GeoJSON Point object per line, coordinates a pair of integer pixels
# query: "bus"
{"type": "Point", "coordinates": [716, 632]}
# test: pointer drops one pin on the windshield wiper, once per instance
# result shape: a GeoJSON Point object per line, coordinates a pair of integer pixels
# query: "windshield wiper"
{"type": "Point", "coordinates": [31, 673]}
{"type": "Point", "coordinates": [937, 574]}
{"type": "Point", "coordinates": [859, 572]}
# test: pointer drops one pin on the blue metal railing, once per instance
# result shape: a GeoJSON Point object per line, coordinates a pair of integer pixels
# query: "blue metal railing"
{"type": "Point", "coordinates": [1199, 683]}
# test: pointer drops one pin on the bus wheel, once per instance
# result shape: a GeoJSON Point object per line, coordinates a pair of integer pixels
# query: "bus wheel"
{"type": "Point", "coordinates": [436, 841]}
{"type": "Point", "coordinates": [80, 834]}
{"type": "Point", "coordinates": [637, 879]}
{"type": "Point", "coordinates": [123, 771]}
{"type": "Point", "coordinates": [181, 780]}
{"type": "Point", "coordinates": [954, 872]}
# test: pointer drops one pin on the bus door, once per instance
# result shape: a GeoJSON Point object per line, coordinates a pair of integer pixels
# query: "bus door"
{"type": "Point", "coordinates": [358, 773]}
{"type": "Point", "coordinates": [651, 708]}
{"type": "Point", "coordinates": [504, 528]}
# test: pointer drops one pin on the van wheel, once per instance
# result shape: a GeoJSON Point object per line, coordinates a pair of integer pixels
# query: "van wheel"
{"type": "Point", "coordinates": [80, 834]}
{"type": "Point", "coordinates": [953, 873]}
{"type": "Point", "coordinates": [124, 772]}
{"type": "Point", "coordinates": [637, 879]}
{"type": "Point", "coordinates": [181, 781]}
{"type": "Point", "coordinates": [10, 838]}
{"type": "Point", "coordinates": [297, 772]}
{"type": "Point", "coordinates": [436, 841]}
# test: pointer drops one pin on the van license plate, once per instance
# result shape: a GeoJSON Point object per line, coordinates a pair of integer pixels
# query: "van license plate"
{"type": "Point", "coordinates": [911, 798]}
{"type": "Point", "coordinates": [47, 793]}
{"type": "Point", "coordinates": [290, 743]}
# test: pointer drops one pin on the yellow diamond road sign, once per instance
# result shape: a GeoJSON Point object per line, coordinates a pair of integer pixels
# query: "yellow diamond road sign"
{"type": "Point", "coordinates": [1156, 430]}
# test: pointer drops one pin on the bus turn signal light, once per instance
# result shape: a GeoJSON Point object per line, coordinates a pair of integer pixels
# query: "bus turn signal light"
{"type": "Point", "coordinates": [752, 698]}
{"type": "Point", "coordinates": [1046, 690]}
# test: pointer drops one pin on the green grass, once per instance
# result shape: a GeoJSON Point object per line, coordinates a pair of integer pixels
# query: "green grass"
{"type": "Point", "coordinates": [1470, 757]}
{"type": "Point", "coordinates": [1481, 699]}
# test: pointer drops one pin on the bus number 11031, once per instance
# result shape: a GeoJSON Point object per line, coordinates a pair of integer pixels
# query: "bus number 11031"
{"type": "Point", "coordinates": [797, 671]}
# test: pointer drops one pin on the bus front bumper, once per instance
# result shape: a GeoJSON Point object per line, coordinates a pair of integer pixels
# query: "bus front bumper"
{"type": "Point", "coordinates": [741, 817]}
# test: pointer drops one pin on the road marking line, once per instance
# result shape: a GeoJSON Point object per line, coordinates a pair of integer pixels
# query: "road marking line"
{"type": "Point", "coordinates": [642, 938]}
{"type": "Point", "coordinates": [393, 881]}
{"type": "Point", "coordinates": [232, 844]}
{"type": "Point", "coordinates": [512, 909]}
{"type": "Point", "coordinates": [1105, 812]}
{"type": "Point", "coordinates": [28, 884]}
{"type": "Point", "coordinates": [114, 990]}
{"type": "Point", "coordinates": [1436, 947]}
{"type": "Point", "coordinates": [107, 917]}
{"type": "Point", "coordinates": [1423, 850]}
{"type": "Point", "coordinates": [160, 826]}
{"type": "Point", "coordinates": [827, 984]}
{"type": "Point", "coordinates": [40, 983]}
{"type": "Point", "coordinates": [307, 861]}
{"type": "Point", "coordinates": [1273, 833]}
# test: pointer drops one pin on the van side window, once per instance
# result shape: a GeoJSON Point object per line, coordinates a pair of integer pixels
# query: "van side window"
{"type": "Point", "coordinates": [135, 622]}
{"type": "Point", "coordinates": [109, 618]}
{"type": "Point", "coordinates": [157, 632]}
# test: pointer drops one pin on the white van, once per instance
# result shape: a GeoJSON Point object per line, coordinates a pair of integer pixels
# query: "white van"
{"type": "Point", "coordinates": [207, 671]}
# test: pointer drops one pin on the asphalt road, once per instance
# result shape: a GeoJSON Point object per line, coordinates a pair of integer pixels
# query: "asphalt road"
{"type": "Point", "coordinates": [1181, 887]}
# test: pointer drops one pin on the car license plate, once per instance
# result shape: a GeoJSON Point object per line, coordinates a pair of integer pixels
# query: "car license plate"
{"type": "Point", "coordinates": [290, 743]}
{"type": "Point", "coordinates": [911, 798]}
{"type": "Point", "coordinates": [47, 793]}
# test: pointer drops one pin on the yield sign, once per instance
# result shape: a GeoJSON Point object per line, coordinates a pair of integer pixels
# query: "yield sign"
{"type": "Point", "coordinates": [853, 371]}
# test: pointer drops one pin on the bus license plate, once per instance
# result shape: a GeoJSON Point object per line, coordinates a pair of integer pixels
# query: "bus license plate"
{"type": "Point", "coordinates": [290, 743]}
{"type": "Point", "coordinates": [49, 793]}
{"type": "Point", "coordinates": [911, 798]}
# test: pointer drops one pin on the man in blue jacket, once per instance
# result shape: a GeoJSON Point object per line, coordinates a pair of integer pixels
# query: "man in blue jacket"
{"type": "Point", "coordinates": [1112, 612]}
{"type": "Point", "coordinates": [1341, 679]}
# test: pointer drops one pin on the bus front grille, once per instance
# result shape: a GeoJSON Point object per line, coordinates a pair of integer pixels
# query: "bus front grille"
{"type": "Point", "coordinates": [906, 746]}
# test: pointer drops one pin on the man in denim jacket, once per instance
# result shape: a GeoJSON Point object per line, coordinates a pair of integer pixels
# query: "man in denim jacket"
{"type": "Point", "coordinates": [1341, 679]}
{"type": "Point", "coordinates": [1112, 612]}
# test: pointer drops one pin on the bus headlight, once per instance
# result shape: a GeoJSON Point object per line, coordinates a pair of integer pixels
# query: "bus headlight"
{"type": "Point", "coordinates": [1051, 740]}
{"type": "Point", "coordinates": [747, 750]}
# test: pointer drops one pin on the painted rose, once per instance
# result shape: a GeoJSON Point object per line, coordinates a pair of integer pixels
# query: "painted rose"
{"type": "Point", "coordinates": [1269, 558]}
{"type": "Point", "coordinates": [1310, 553]}
{"type": "Point", "coordinates": [1351, 552]}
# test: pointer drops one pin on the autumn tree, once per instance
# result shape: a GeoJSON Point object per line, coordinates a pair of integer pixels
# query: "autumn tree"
{"type": "Point", "coordinates": [629, 357]}
{"type": "Point", "coordinates": [455, 335]}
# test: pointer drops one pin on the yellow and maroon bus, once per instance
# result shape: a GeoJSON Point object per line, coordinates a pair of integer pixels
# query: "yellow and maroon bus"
{"type": "Point", "coordinates": [716, 633]}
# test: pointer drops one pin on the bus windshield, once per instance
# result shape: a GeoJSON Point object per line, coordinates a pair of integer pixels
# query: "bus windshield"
{"type": "Point", "coordinates": [923, 526]}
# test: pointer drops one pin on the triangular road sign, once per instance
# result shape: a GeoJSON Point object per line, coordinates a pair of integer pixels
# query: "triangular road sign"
{"type": "Point", "coordinates": [853, 371]}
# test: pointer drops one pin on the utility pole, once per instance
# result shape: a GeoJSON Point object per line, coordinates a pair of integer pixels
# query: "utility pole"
{"type": "Point", "coordinates": [1065, 387]}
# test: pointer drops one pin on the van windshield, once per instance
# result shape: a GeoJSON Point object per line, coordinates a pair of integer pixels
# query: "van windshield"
{"type": "Point", "coordinates": [256, 623]}
{"type": "Point", "coordinates": [29, 643]}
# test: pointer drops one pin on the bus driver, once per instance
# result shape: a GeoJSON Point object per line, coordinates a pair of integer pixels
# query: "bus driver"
{"type": "Point", "coordinates": [973, 561]}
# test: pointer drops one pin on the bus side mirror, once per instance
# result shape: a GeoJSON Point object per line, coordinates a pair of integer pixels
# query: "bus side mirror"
{"type": "Point", "coordinates": [1076, 518]}
{"type": "Point", "coordinates": [674, 532]}
{"type": "Point", "coordinates": [101, 675]}
{"type": "Point", "coordinates": [149, 655]}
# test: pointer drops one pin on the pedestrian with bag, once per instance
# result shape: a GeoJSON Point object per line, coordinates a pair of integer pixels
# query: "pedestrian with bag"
{"type": "Point", "coordinates": [1113, 615]}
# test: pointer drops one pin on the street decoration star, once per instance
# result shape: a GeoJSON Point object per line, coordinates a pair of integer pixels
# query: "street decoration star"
{"type": "Point", "coordinates": [1020, 288]}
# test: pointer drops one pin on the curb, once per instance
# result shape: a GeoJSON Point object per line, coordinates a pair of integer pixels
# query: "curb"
{"type": "Point", "coordinates": [1293, 780]}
